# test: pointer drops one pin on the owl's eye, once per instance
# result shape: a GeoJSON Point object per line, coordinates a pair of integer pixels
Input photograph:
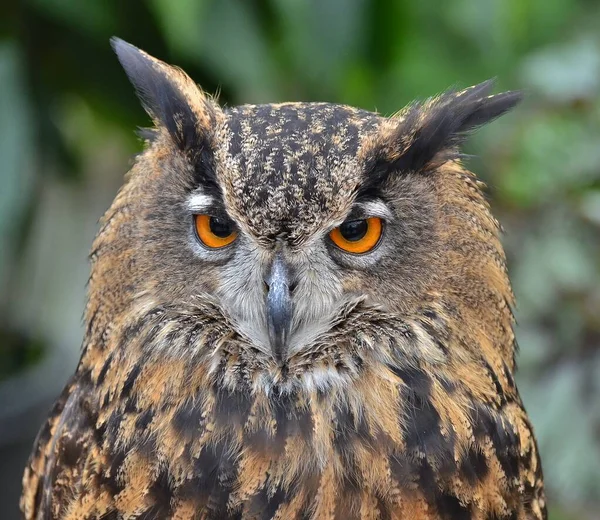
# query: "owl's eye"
{"type": "Point", "coordinates": [357, 236]}
{"type": "Point", "coordinates": [215, 232]}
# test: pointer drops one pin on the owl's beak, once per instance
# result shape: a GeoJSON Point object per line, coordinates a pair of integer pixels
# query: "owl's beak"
{"type": "Point", "coordinates": [279, 306]}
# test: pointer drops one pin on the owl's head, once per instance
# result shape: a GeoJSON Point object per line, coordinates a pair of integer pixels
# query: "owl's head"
{"type": "Point", "coordinates": [313, 231]}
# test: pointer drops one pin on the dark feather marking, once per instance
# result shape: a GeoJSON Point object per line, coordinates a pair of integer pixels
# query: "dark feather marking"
{"type": "Point", "coordinates": [349, 428]}
{"type": "Point", "coordinates": [427, 480]}
{"type": "Point", "coordinates": [232, 407]}
{"type": "Point", "coordinates": [113, 424]}
{"type": "Point", "coordinates": [487, 423]}
{"type": "Point", "coordinates": [38, 494]}
{"type": "Point", "coordinates": [263, 505]}
{"type": "Point", "coordinates": [290, 420]}
{"type": "Point", "coordinates": [384, 508]}
{"type": "Point", "coordinates": [105, 368]}
{"type": "Point", "coordinates": [511, 515]}
{"type": "Point", "coordinates": [495, 381]}
{"type": "Point", "coordinates": [235, 144]}
{"type": "Point", "coordinates": [450, 508]}
{"type": "Point", "coordinates": [188, 421]}
{"type": "Point", "coordinates": [159, 495]}
{"type": "Point", "coordinates": [144, 419]}
{"type": "Point", "coordinates": [215, 466]}
{"type": "Point", "coordinates": [422, 432]}
{"type": "Point", "coordinates": [90, 324]}
{"type": "Point", "coordinates": [110, 478]}
{"type": "Point", "coordinates": [402, 470]}
{"type": "Point", "coordinates": [129, 382]}
{"type": "Point", "coordinates": [219, 497]}
{"type": "Point", "coordinates": [436, 336]}
{"type": "Point", "coordinates": [73, 418]}
{"type": "Point", "coordinates": [509, 377]}
{"type": "Point", "coordinates": [448, 385]}
{"type": "Point", "coordinates": [417, 380]}
{"type": "Point", "coordinates": [113, 515]}
{"type": "Point", "coordinates": [70, 450]}
{"type": "Point", "coordinates": [207, 465]}
{"type": "Point", "coordinates": [474, 466]}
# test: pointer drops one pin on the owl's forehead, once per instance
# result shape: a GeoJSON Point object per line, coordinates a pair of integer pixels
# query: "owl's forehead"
{"type": "Point", "coordinates": [287, 168]}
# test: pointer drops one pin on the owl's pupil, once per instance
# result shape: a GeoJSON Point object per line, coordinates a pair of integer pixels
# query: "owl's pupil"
{"type": "Point", "coordinates": [354, 230]}
{"type": "Point", "coordinates": [220, 227]}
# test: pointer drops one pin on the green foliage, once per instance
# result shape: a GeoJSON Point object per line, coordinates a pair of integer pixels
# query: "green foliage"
{"type": "Point", "coordinates": [66, 114]}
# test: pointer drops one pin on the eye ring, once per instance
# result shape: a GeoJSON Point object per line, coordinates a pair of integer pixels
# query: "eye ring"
{"type": "Point", "coordinates": [214, 232]}
{"type": "Point", "coordinates": [358, 236]}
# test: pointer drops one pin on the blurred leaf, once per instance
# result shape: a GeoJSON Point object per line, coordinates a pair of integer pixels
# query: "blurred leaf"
{"type": "Point", "coordinates": [322, 39]}
{"type": "Point", "coordinates": [555, 152]}
{"type": "Point", "coordinates": [226, 36]}
{"type": "Point", "coordinates": [94, 16]}
{"type": "Point", "coordinates": [590, 206]}
{"type": "Point", "coordinates": [565, 429]}
{"type": "Point", "coordinates": [15, 149]}
{"type": "Point", "coordinates": [557, 258]}
{"type": "Point", "coordinates": [181, 22]}
{"type": "Point", "coordinates": [537, 345]}
{"type": "Point", "coordinates": [18, 352]}
{"type": "Point", "coordinates": [565, 72]}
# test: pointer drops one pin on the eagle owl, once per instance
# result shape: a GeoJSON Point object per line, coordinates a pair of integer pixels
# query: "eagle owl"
{"type": "Point", "coordinates": [296, 311]}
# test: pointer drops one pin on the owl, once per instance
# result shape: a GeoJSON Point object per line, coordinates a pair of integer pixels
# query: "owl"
{"type": "Point", "coordinates": [295, 311]}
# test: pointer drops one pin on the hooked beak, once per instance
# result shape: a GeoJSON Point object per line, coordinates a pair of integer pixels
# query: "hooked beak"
{"type": "Point", "coordinates": [279, 306]}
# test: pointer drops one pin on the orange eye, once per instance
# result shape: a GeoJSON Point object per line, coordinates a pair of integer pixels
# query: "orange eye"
{"type": "Point", "coordinates": [215, 232]}
{"type": "Point", "coordinates": [357, 236]}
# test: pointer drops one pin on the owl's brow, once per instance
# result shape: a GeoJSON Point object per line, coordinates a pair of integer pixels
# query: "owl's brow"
{"type": "Point", "coordinates": [200, 202]}
{"type": "Point", "coordinates": [375, 208]}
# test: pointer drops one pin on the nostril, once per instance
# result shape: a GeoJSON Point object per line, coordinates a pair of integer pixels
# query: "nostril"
{"type": "Point", "coordinates": [267, 286]}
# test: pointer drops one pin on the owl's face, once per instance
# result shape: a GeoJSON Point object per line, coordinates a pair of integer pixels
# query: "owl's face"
{"type": "Point", "coordinates": [287, 218]}
{"type": "Point", "coordinates": [282, 229]}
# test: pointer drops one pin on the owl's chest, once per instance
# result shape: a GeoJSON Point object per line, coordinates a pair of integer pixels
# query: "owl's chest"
{"type": "Point", "coordinates": [237, 455]}
{"type": "Point", "coordinates": [231, 455]}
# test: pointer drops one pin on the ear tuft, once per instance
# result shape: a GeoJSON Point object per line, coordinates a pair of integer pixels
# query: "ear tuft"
{"type": "Point", "coordinates": [169, 96]}
{"type": "Point", "coordinates": [442, 123]}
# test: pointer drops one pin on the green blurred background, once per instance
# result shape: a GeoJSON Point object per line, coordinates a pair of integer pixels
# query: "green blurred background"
{"type": "Point", "coordinates": [67, 116]}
